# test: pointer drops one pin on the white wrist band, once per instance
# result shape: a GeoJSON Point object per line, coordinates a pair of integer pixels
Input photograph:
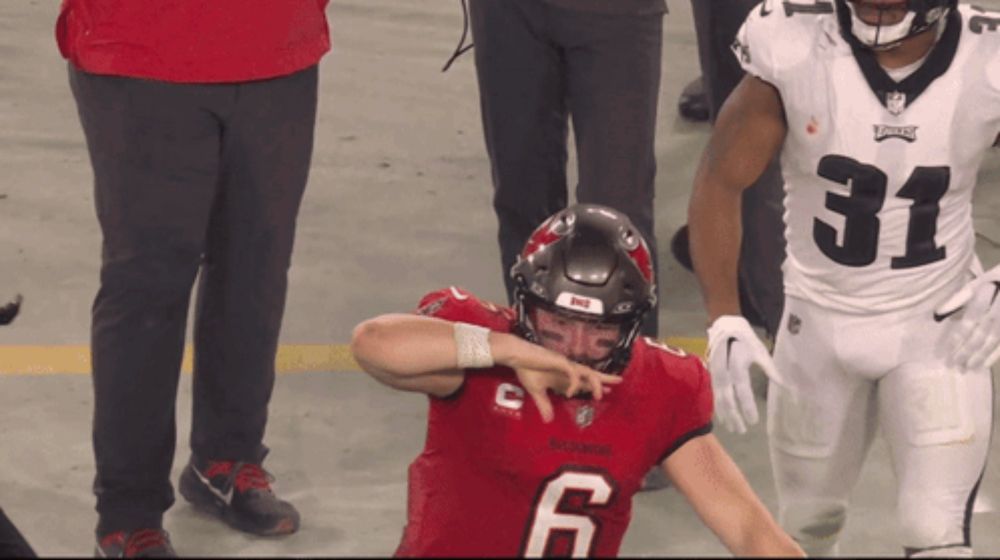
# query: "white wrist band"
{"type": "Point", "coordinates": [473, 346]}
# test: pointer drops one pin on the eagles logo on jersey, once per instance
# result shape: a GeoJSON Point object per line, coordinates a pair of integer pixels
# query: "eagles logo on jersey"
{"type": "Point", "coordinates": [879, 165]}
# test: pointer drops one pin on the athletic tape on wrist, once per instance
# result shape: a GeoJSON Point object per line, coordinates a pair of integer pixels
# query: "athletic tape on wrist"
{"type": "Point", "coordinates": [473, 345]}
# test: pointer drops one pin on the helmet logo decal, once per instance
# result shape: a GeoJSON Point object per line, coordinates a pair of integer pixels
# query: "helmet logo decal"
{"type": "Point", "coordinates": [580, 303]}
{"type": "Point", "coordinates": [640, 256]}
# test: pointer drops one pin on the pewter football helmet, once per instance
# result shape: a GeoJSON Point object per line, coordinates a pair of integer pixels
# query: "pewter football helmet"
{"type": "Point", "coordinates": [588, 262]}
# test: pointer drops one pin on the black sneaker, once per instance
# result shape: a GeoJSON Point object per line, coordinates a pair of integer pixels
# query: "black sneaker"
{"type": "Point", "coordinates": [143, 543]}
{"type": "Point", "coordinates": [240, 494]}
{"type": "Point", "coordinates": [680, 247]}
{"type": "Point", "coordinates": [693, 103]}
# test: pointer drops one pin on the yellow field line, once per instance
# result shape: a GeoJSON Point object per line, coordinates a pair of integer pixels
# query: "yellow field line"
{"type": "Point", "coordinates": [292, 358]}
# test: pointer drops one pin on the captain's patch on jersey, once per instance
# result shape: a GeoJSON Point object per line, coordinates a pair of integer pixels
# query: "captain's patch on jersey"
{"type": "Point", "coordinates": [509, 399]}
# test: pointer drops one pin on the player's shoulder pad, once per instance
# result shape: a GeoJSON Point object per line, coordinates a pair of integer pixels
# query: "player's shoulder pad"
{"type": "Point", "coordinates": [671, 361]}
{"type": "Point", "coordinates": [981, 27]}
{"type": "Point", "coordinates": [779, 34]}
{"type": "Point", "coordinates": [455, 304]}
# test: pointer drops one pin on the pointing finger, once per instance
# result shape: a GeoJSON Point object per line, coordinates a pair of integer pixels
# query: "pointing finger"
{"type": "Point", "coordinates": [544, 406]}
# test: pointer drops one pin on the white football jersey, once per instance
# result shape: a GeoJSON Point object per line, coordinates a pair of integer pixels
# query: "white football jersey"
{"type": "Point", "coordinates": [878, 174]}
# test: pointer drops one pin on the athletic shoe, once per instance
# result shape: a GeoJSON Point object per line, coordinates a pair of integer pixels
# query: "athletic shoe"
{"type": "Point", "coordinates": [240, 494]}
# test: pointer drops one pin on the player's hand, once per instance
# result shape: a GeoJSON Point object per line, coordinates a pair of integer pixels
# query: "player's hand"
{"type": "Point", "coordinates": [540, 369]}
{"type": "Point", "coordinates": [974, 340]}
{"type": "Point", "coordinates": [733, 348]}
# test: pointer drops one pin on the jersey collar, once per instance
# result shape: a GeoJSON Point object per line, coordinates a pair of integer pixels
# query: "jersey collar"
{"type": "Point", "coordinates": [896, 96]}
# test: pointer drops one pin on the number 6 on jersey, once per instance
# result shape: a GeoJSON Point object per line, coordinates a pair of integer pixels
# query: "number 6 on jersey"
{"type": "Point", "coordinates": [559, 518]}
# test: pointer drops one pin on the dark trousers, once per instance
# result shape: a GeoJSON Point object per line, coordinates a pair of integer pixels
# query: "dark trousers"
{"type": "Point", "coordinates": [188, 178]}
{"type": "Point", "coordinates": [12, 542]}
{"type": "Point", "coordinates": [537, 66]}
{"type": "Point", "coordinates": [763, 249]}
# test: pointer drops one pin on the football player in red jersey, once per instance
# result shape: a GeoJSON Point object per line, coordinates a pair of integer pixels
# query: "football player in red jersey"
{"type": "Point", "coordinates": [503, 474]}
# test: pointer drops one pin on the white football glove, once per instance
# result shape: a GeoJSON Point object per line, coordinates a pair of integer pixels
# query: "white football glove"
{"type": "Point", "coordinates": [974, 340]}
{"type": "Point", "coordinates": [732, 348]}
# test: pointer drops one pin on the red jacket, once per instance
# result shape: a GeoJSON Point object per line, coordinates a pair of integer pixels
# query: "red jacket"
{"type": "Point", "coordinates": [193, 41]}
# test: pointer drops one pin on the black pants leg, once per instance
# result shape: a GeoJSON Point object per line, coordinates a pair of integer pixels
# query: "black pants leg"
{"type": "Point", "coordinates": [716, 23]}
{"type": "Point", "coordinates": [763, 248]}
{"type": "Point", "coordinates": [154, 148]}
{"type": "Point", "coordinates": [163, 160]}
{"type": "Point", "coordinates": [522, 90]}
{"type": "Point", "coordinates": [536, 64]}
{"type": "Point", "coordinates": [266, 151]}
{"type": "Point", "coordinates": [12, 542]}
{"type": "Point", "coordinates": [613, 77]}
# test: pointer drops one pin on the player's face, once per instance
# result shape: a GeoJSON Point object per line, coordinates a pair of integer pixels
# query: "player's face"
{"type": "Point", "coordinates": [880, 12]}
{"type": "Point", "coordinates": [581, 341]}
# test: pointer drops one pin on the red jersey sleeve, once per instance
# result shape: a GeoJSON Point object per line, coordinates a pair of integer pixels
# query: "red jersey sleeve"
{"type": "Point", "coordinates": [455, 304]}
{"type": "Point", "coordinates": [693, 415]}
{"type": "Point", "coordinates": [680, 394]}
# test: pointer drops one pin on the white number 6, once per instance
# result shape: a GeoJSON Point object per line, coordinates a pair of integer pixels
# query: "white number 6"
{"type": "Point", "coordinates": [548, 518]}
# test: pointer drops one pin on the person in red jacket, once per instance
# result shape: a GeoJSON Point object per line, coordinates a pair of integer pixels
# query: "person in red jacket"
{"type": "Point", "coordinates": [199, 119]}
{"type": "Point", "coordinates": [509, 470]}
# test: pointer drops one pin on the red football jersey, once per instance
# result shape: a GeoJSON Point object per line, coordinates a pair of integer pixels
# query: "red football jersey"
{"type": "Point", "coordinates": [193, 41]}
{"type": "Point", "coordinates": [494, 480]}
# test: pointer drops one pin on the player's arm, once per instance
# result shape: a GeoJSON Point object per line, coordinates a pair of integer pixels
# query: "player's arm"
{"type": "Point", "coordinates": [747, 135]}
{"type": "Point", "coordinates": [714, 486]}
{"type": "Point", "coordinates": [409, 352]}
{"type": "Point", "coordinates": [424, 354]}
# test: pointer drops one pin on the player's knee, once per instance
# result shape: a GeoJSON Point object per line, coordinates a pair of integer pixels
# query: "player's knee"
{"type": "Point", "coordinates": [927, 529]}
{"type": "Point", "coordinates": [815, 526]}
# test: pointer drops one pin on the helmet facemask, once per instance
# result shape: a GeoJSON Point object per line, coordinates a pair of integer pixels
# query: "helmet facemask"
{"type": "Point", "coordinates": [886, 30]}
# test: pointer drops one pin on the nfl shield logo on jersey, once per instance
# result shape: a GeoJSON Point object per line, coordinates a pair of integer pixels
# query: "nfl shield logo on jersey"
{"type": "Point", "coordinates": [584, 415]}
{"type": "Point", "coordinates": [895, 102]}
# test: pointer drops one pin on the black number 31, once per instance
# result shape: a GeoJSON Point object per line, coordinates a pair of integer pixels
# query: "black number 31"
{"type": "Point", "coordinates": [860, 208]}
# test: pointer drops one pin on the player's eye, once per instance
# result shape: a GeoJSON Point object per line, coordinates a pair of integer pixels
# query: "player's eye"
{"type": "Point", "coordinates": [550, 335]}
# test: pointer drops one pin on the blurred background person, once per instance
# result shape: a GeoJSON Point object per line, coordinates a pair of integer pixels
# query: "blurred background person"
{"type": "Point", "coordinates": [199, 121]}
{"type": "Point", "coordinates": [541, 63]}
{"type": "Point", "coordinates": [763, 249]}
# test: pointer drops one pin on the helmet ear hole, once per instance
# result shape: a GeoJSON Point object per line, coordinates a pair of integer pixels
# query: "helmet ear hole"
{"type": "Point", "coordinates": [629, 239]}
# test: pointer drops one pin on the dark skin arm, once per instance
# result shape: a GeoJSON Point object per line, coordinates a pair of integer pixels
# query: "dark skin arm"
{"type": "Point", "coordinates": [748, 134]}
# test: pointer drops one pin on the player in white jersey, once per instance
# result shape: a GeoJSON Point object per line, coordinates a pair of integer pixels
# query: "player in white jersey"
{"type": "Point", "coordinates": [882, 111]}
